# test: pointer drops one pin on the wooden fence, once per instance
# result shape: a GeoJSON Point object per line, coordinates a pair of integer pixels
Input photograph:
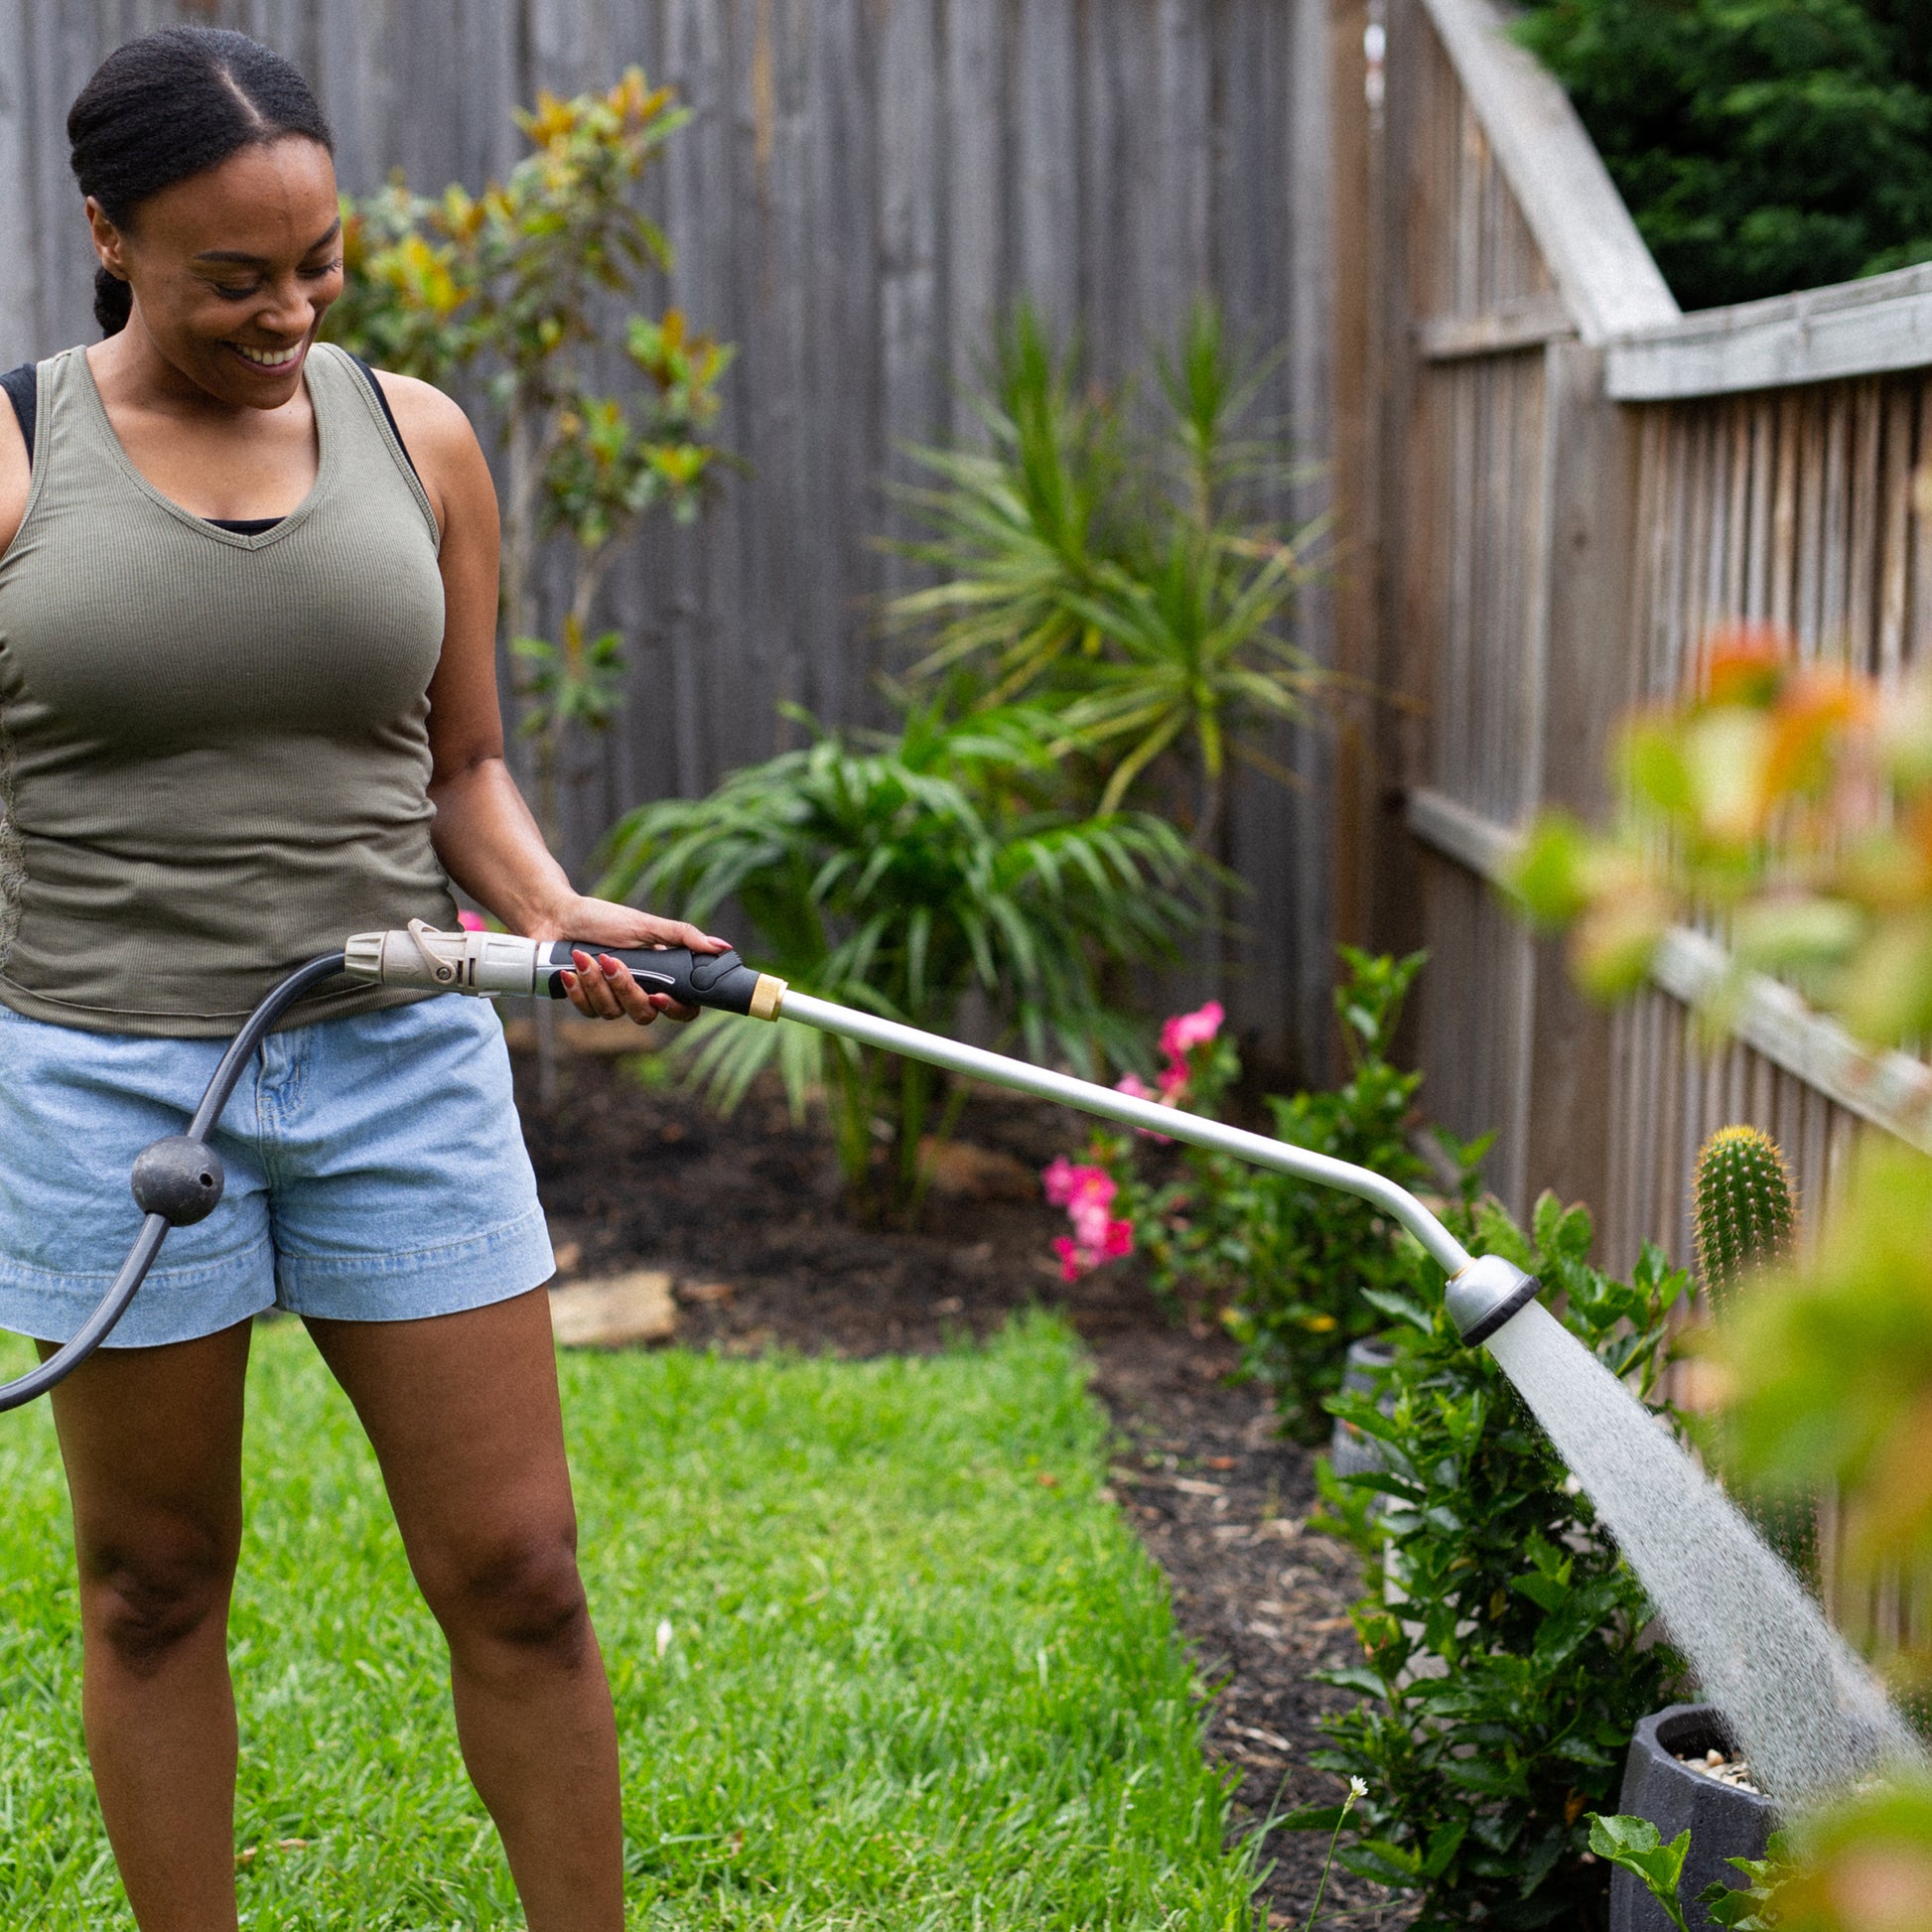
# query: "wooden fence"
{"type": "Point", "coordinates": [866, 184]}
{"type": "Point", "coordinates": [1569, 484]}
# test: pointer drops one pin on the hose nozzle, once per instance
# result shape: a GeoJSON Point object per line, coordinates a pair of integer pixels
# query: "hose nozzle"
{"type": "Point", "coordinates": [1483, 1295]}
{"type": "Point", "coordinates": [491, 963]}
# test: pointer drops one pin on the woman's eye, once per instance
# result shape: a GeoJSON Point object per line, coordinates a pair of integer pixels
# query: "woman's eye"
{"type": "Point", "coordinates": [233, 295]}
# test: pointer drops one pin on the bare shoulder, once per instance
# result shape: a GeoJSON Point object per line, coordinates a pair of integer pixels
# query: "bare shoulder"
{"type": "Point", "coordinates": [442, 445]}
{"type": "Point", "coordinates": [16, 475]}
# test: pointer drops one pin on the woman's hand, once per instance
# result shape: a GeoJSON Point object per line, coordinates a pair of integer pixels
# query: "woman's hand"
{"type": "Point", "coordinates": [602, 986]}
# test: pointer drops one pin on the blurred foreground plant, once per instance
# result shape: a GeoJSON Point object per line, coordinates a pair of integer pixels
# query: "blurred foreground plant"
{"type": "Point", "coordinates": [1791, 801]}
{"type": "Point", "coordinates": [897, 874]}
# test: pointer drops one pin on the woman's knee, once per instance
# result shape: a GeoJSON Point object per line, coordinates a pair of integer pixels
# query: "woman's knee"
{"type": "Point", "coordinates": [145, 1594]}
{"type": "Point", "coordinates": [516, 1589]}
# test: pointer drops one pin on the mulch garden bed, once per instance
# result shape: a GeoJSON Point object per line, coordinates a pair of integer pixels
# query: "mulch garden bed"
{"type": "Point", "coordinates": [744, 1216]}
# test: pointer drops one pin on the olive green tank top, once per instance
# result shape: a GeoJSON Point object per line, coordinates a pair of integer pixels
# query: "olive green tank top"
{"type": "Point", "coordinates": [214, 748]}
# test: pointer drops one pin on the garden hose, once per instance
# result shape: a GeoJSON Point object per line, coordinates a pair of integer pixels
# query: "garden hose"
{"type": "Point", "coordinates": [177, 1180]}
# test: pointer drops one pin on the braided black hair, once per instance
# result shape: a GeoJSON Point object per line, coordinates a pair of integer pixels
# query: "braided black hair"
{"type": "Point", "coordinates": [170, 105]}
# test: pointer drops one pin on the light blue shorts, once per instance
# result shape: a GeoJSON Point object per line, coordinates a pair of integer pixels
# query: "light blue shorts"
{"type": "Point", "coordinates": [376, 1172]}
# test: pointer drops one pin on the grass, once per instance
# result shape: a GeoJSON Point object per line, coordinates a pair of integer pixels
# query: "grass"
{"type": "Point", "coordinates": [884, 1656]}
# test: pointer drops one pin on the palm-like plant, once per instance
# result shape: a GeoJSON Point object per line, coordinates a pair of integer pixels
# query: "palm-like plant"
{"type": "Point", "coordinates": [1139, 592]}
{"type": "Point", "coordinates": [897, 874]}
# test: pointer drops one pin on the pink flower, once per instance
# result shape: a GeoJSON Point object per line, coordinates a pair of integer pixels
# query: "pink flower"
{"type": "Point", "coordinates": [1090, 1223]}
{"type": "Point", "coordinates": [1074, 1187]}
{"type": "Point", "coordinates": [470, 922]}
{"type": "Point", "coordinates": [1135, 1088]}
{"type": "Point", "coordinates": [1187, 1031]}
{"type": "Point", "coordinates": [1088, 1193]}
{"type": "Point", "coordinates": [1172, 1081]}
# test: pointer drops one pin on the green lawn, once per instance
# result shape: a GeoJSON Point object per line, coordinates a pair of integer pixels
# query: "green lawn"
{"type": "Point", "coordinates": [873, 1669]}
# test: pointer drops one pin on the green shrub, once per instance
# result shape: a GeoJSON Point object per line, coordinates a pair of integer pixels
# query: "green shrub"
{"type": "Point", "coordinates": [1762, 145]}
{"type": "Point", "coordinates": [1505, 1664]}
{"type": "Point", "coordinates": [896, 874]}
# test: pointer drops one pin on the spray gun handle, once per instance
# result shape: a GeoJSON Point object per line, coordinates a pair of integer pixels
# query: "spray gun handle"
{"type": "Point", "coordinates": [719, 980]}
{"type": "Point", "coordinates": [421, 957]}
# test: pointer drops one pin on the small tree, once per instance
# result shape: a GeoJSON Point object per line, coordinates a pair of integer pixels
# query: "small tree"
{"type": "Point", "coordinates": [523, 286]}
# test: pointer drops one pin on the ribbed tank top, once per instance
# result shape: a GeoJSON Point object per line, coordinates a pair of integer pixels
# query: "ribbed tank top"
{"type": "Point", "coordinates": [214, 748]}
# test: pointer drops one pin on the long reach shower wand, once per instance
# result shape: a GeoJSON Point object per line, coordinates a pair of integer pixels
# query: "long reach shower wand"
{"type": "Point", "coordinates": [179, 1180]}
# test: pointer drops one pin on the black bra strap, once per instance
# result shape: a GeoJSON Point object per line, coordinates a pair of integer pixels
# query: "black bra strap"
{"type": "Point", "coordinates": [370, 376]}
{"type": "Point", "coordinates": [23, 392]}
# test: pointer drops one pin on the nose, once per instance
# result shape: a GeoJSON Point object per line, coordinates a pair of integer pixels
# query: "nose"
{"type": "Point", "coordinates": [288, 311]}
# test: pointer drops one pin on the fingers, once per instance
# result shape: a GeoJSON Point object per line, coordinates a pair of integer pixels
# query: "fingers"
{"type": "Point", "coordinates": [677, 932]}
{"type": "Point", "coordinates": [603, 989]}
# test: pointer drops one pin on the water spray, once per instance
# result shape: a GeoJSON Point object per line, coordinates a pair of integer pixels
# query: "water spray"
{"type": "Point", "coordinates": [179, 1180]}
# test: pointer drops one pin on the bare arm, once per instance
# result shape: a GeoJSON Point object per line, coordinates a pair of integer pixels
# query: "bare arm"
{"type": "Point", "coordinates": [485, 833]}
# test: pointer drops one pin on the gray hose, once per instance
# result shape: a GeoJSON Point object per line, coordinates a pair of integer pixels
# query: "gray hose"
{"type": "Point", "coordinates": [177, 1180]}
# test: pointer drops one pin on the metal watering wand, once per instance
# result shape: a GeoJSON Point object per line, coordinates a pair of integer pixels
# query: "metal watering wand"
{"type": "Point", "coordinates": [179, 1180]}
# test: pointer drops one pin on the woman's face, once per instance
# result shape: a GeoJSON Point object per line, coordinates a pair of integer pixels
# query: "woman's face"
{"type": "Point", "coordinates": [233, 269]}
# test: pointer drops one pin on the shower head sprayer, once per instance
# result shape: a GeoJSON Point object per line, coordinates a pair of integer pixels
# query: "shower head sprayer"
{"type": "Point", "coordinates": [1483, 1295]}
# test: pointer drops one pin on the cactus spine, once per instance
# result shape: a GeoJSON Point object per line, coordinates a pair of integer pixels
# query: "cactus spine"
{"type": "Point", "coordinates": [1744, 1212]}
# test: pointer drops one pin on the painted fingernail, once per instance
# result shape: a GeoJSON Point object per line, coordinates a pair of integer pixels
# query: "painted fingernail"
{"type": "Point", "coordinates": [609, 964]}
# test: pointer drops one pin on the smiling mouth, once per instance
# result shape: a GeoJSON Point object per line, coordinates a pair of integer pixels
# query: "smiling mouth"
{"type": "Point", "coordinates": [266, 358]}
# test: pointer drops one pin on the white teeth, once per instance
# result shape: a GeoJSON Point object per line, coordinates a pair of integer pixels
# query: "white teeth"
{"type": "Point", "coordinates": [267, 359]}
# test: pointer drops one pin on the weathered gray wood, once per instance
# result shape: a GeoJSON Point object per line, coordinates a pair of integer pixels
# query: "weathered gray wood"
{"type": "Point", "coordinates": [1848, 329]}
{"type": "Point", "coordinates": [1527, 323]}
{"type": "Point", "coordinates": [19, 318]}
{"type": "Point", "coordinates": [1558, 181]}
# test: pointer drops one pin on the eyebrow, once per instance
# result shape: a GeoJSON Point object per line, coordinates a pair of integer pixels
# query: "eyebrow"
{"type": "Point", "coordinates": [243, 260]}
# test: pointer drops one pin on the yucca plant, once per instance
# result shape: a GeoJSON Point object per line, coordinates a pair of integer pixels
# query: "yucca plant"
{"type": "Point", "coordinates": [897, 873]}
{"type": "Point", "coordinates": [1140, 588]}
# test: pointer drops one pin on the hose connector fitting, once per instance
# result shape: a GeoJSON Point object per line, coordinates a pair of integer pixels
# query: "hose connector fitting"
{"type": "Point", "coordinates": [1485, 1294]}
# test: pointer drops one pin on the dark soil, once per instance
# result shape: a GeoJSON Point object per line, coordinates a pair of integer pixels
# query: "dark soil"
{"type": "Point", "coordinates": [745, 1215]}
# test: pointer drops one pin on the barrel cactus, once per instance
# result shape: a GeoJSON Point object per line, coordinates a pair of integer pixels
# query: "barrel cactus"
{"type": "Point", "coordinates": [1745, 1220]}
{"type": "Point", "coordinates": [1744, 1213]}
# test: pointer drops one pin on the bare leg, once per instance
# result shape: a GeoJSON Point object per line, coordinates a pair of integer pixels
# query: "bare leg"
{"type": "Point", "coordinates": [152, 1441]}
{"type": "Point", "coordinates": [463, 1414]}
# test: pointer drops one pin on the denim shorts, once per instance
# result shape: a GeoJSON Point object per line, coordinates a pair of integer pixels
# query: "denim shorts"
{"type": "Point", "coordinates": [376, 1172]}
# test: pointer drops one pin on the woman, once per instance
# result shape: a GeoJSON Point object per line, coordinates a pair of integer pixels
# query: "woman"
{"type": "Point", "coordinates": [247, 691]}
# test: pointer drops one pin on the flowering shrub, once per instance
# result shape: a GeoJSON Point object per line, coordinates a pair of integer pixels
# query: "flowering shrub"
{"type": "Point", "coordinates": [1290, 1268]}
{"type": "Point", "coordinates": [1104, 1198]}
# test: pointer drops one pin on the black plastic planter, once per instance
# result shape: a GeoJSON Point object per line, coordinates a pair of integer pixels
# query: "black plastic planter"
{"type": "Point", "coordinates": [1351, 1452]}
{"type": "Point", "coordinates": [1725, 1822]}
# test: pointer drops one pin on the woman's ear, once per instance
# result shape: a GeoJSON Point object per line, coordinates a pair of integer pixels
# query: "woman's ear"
{"type": "Point", "coordinates": [109, 243]}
